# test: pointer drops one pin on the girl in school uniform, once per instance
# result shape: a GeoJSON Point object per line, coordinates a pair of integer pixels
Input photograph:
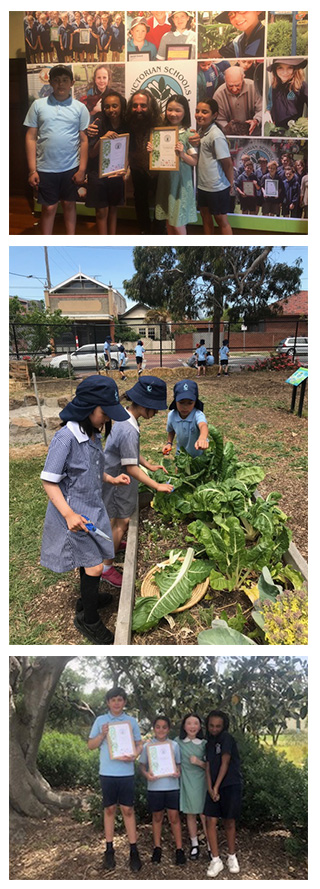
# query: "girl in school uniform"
{"type": "Point", "coordinates": [193, 785]}
{"type": "Point", "coordinates": [175, 201]}
{"type": "Point", "coordinates": [214, 170]}
{"type": "Point", "coordinates": [122, 452]}
{"type": "Point", "coordinates": [106, 193]}
{"type": "Point", "coordinates": [163, 793]}
{"type": "Point", "coordinates": [72, 478]}
{"type": "Point", "coordinates": [186, 420]}
{"type": "Point", "coordinates": [224, 782]}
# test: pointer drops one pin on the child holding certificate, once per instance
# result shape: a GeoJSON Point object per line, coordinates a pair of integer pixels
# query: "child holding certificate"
{"type": "Point", "coordinates": [160, 765]}
{"type": "Point", "coordinates": [175, 201]}
{"type": "Point", "coordinates": [117, 735]}
{"type": "Point", "coordinates": [107, 193]}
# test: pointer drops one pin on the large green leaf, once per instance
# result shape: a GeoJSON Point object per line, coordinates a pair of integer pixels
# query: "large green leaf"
{"type": "Point", "coordinates": [176, 584]}
{"type": "Point", "coordinates": [221, 634]}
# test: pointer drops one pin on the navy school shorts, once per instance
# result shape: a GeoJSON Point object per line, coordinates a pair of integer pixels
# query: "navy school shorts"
{"type": "Point", "coordinates": [159, 800]}
{"type": "Point", "coordinates": [228, 806]}
{"type": "Point", "coordinates": [55, 187]}
{"type": "Point", "coordinates": [117, 789]}
{"type": "Point", "coordinates": [218, 202]}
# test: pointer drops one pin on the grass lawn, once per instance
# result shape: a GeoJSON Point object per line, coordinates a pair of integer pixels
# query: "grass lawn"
{"type": "Point", "coordinates": [251, 409]}
{"type": "Point", "coordinates": [293, 744]}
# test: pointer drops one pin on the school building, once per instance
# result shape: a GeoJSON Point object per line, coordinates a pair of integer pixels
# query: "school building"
{"type": "Point", "coordinates": [91, 306]}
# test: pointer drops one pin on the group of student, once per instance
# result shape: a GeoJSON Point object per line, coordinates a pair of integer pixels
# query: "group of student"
{"type": "Point", "coordinates": [290, 178]}
{"type": "Point", "coordinates": [205, 783]}
{"type": "Point", "coordinates": [204, 359]}
{"type": "Point", "coordinates": [90, 488]}
{"type": "Point", "coordinates": [56, 36]}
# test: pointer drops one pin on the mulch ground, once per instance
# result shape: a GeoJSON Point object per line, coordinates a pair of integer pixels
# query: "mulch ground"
{"type": "Point", "coordinates": [59, 848]}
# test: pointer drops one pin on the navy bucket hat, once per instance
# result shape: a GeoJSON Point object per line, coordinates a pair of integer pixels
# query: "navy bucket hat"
{"type": "Point", "coordinates": [94, 391]}
{"type": "Point", "coordinates": [149, 392]}
{"type": "Point", "coordinates": [186, 389]}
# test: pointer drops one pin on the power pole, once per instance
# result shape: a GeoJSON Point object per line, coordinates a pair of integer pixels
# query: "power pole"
{"type": "Point", "coordinates": [47, 267]}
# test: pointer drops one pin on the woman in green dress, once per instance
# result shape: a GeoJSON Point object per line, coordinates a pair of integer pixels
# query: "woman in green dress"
{"type": "Point", "coordinates": [175, 197]}
{"type": "Point", "coordinates": [193, 785]}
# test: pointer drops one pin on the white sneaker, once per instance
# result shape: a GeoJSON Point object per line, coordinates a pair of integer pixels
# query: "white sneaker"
{"type": "Point", "coordinates": [215, 867]}
{"type": "Point", "coordinates": [233, 864]}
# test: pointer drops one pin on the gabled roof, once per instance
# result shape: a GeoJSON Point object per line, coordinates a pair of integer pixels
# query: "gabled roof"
{"type": "Point", "coordinates": [297, 304]}
{"type": "Point", "coordinates": [134, 308]}
{"type": "Point", "coordinates": [80, 277]}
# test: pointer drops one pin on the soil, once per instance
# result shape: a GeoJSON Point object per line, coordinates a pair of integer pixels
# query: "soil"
{"type": "Point", "coordinates": [59, 848]}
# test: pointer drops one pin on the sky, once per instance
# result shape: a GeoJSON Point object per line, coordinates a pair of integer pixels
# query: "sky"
{"type": "Point", "coordinates": [107, 264]}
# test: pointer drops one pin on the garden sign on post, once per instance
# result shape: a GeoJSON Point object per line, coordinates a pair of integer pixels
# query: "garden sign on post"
{"type": "Point", "coordinates": [298, 378]}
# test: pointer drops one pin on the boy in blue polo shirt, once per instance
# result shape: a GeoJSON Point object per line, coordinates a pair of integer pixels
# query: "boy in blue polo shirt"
{"type": "Point", "coordinates": [186, 420]}
{"type": "Point", "coordinates": [117, 776]}
{"type": "Point", "coordinates": [57, 149]}
{"type": "Point", "coordinates": [163, 793]}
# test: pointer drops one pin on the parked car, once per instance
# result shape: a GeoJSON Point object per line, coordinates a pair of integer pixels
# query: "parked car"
{"type": "Point", "coordinates": [85, 357]}
{"type": "Point", "coordinates": [286, 346]}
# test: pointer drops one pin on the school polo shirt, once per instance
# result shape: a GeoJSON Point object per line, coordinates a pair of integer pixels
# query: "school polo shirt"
{"type": "Point", "coordinates": [169, 783]}
{"type": "Point", "coordinates": [114, 767]}
{"type": "Point", "coordinates": [186, 430]}
{"type": "Point", "coordinates": [213, 147]}
{"type": "Point", "coordinates": [58, 124]}
{"type": "Point", "coordinates": [216, 747]}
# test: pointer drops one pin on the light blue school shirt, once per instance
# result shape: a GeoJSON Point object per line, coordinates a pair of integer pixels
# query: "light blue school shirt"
{"type": "Point", "coordinates": [58, 124]}
{"type": "Point", "coordinates": [187, 430]}
{"type": "Point", "coordinates": [201, 352]}
{"type": "Point", "coordinates": [139, 350]}
{"type": "Point", "coordinates": [169, 783]}
{"type": "Point", "coordinates": [224, 352]}
{"type": "Point", "coordinates": [114, 767]}
{"type": "Point", "coordinates": [213, 147]}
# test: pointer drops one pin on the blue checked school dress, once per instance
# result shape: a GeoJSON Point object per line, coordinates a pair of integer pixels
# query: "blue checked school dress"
{"type": "Point", "coordinates": [76, 463]}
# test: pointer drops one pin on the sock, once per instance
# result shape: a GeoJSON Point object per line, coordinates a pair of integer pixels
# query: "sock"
{"type": "Point", "coordinates": [194, 841]}
{"type": "Point", "coordinates": [89, 596]}
{"type": "Point", "coordinates": [109, 846]}
{"type": "Point", "coordinates": [216, 858]}
{"type": "Point", "coordinates": [133, 847]}
{"type": "Point", "coordinates": [106, 568]}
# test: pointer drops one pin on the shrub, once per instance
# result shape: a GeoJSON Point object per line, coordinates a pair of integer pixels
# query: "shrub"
{"type": "Point", "coordinates": [65, 761]}
{"type": "Point", "coordinates": [286, 619]}
{"type": "Point", "coordinates": [275, 792]}
{"type": "Point", "coordinates": [44, 370]}
{"type": "Point", "coordinates": [274, 362]}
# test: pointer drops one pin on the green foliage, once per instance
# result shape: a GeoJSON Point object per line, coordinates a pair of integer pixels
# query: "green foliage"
{"type": "Point", "coordinates": [280, 37]}
{"type": "Point", "coordinates": [35, 327]}
{"type": "Point", "coordinates": [44, 370]}
{"type": "Point", "coordinates": [275, 792]}
{"type": "Point", "coordinates": [222, 634]}
{"type": "Point", "coordinates": [175, 582]}
{"type": "Point", "coordinates": [64, 760]}
{"type": "Point", "coordinates": [274, 362]}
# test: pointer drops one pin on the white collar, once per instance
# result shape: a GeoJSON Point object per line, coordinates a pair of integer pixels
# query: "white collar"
{"type": "Point", "coordinates": [186, 31]}
{"type": "Point", "coordinates": [77, 432]}
{"type": "Point", "coordinates": [133, 421]}
{"type": "Point", "coordinates": [195, 740]}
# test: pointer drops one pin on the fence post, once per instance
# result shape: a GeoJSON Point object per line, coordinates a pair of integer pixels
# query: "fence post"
{"type": "Point", "coordinates": [39, 407]}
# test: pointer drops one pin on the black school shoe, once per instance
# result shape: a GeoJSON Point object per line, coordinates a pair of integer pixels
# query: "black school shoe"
{"type": "Point", "coordinates": [109, 859]}
{"type": "Point", "coordinates": [135, 862]}
{"type": "Point", "coordinates": [194, 853]}
{"type": "Point", "coordinates": [104, 599]}
{"type": "Point", "coordinates": [180, 857]}
{"type": "Point", "coordinates": [156, 855]}
{"type": "Point", "coordinates": [97, 633]}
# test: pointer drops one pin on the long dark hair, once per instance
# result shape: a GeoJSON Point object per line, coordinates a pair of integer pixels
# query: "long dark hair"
{"type": "Point", "coordinates": [123, 102]}
{"type": "Point", "coordinates": [183, 101]}
{"type": "Point", "coordinates": [221, 715]}
{"type": "Point", "coordinates": [183, 733]}
{"type": "Point", "coordinates": [155, 119]}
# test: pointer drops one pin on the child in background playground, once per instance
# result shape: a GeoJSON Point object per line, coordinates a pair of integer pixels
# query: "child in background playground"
{"type": "Point", "coordinates": [201, 358]}
{"type": "Point", "coordinates": [148, 396]}
{"type": "Point", "coordinates": [223, 358]}
{"type": "Point", "coordinates": [139, 350]}
{"type": "Point", "coordinates": [186, 420]}
{"type": "Point", "coordinates": [224, 782]}
{"type": "Point", "coordinates": [72, 478]}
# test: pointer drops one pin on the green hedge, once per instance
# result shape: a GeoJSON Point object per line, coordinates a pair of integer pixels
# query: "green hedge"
{"type": "Point", "coordinates": [275, 790]}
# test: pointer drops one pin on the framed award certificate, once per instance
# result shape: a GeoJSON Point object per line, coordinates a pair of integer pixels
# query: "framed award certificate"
{"type": "Point", "coordinates": [180, 53]}
{"type": "Point", "coordinates": [271, 187]}
{"type": "Point", "coordinates": [120, 740]}
{"type": "Point", "coordinates": [163, 155]}
{"type": "Point", "coordinates": [113, 156]}
{"type": "Point", "coordinates": [84, 35]}
{"type": "Point", "coordinates": [138, 56]}
{"type": "Point", "coordinates": [161, 759]}
{"type": "Point", "coordinates": [248, 188]}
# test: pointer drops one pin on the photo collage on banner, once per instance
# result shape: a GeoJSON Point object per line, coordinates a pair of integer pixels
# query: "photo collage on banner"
{"type": "Point", "coordinates": [253, 64]}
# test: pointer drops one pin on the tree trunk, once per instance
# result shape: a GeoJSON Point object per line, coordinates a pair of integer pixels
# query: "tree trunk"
{"type": "Point", "coordinates": [35, 683]}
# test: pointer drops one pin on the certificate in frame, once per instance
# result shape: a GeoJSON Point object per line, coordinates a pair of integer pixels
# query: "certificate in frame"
{"type": "Point", "coordinates": [138, 56]}
{"type": "Point", "coordinates": [113, 155]}
{"type": "Point", "coordinates": [163, 155]}
{"type": "Point", "coordinates": [161, 760]}
{"type": "Point", "coordinates": [54, 35]}
{"type": "Point", "coordinates": [120, 740]}
{"type": "Point", "coordinates": [180, 53]}
{"type": "Point", "coordinates": [271, 187]}
{"type": "Point", "coordinates": [248, 188]}
{"type": "Point", "coordinates": [84, 36]}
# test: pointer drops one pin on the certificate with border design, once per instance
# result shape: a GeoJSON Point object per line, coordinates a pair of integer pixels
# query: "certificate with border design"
{"type": "Point", "coordinates": [113, 155]}
{"type": "Point", "coordinates": [161, 759]}
{"type": "Point", "coordinates": [271, 187]}
{"type": "Point", "coordinates": [120, 740]}
{"type": "Point", "coordinates": [84, 36]}
{"type": "Point", "coordinates": [163, 155]}
{"type": "Point", "coordinates": [179, 52]}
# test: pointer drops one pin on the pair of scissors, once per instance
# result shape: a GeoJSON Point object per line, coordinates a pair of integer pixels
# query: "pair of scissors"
{"type": "Point", "coordinates": [92, 527]}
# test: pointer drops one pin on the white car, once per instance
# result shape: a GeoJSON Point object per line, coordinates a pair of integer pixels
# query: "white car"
{"type": "Point", "coordinates": [286, 346]}
{"type": "Point", "coordinates": [85, 357]}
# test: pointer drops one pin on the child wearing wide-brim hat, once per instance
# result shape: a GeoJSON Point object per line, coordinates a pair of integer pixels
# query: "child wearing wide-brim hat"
{"type": "Point", "coordinates": [122, 450]}
{"type": "Point", "coordinates": [288, 92]}
{"type": "Point", "coordinates": [72, 477]}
